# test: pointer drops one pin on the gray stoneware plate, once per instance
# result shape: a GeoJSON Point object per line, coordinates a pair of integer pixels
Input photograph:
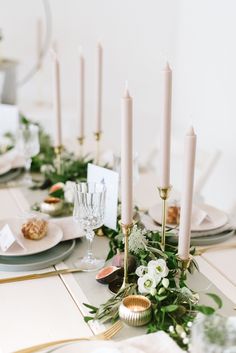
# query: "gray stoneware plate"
{"type": "Point", "coordinates": [11, 175]}
{"type": "Point", "coordinates": [38, 261]}
{"type": "Point", "coordinates": [207, 240]}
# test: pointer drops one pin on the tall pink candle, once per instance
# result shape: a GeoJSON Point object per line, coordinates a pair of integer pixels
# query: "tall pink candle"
{"type": "Point", "coordinates": [81, 96]}
{"type": "Point", "coordinates": [187, 195]}
{"type": "Point", "coordinates": [98, 104]}
{"type": "Point", "coordinates": [165, 128]}
{"type": "Point", "coordinates": [56, 97]}
{"type": "Point", "coordinates": [127, 159]}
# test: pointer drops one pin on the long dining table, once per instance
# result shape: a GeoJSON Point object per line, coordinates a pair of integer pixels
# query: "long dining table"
{"type": "Point", "coordinates": [40, 310]}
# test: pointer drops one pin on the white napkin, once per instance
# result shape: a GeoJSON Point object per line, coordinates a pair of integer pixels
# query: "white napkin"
{"type": "Point", "coordinates": [11, 159]}
{"type": "Point", "coordinates": [158, 342]}
{"type": "Point", "coordinates": [71, 230]}
{"type": "Point", "coordinates": [199, 216]}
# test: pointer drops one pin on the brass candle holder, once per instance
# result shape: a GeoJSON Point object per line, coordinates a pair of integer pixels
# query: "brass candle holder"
{"type": "Point", "coordinates": [81, 145]}
{"type": "Point", "coordinates": [135, 310]}
{"type": "Point", "coordinates": [164, 194]}
{"type": "Point", "coordinates": [184, 264]}
{"type": "Point", "coordinates": [58, 151]}
{"type": "Point", "coordinates": [97, 139]}
{"type": "Point", "coordinates": [126, 230]}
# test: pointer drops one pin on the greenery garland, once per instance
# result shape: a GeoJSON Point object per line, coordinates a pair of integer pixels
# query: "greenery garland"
{"type": "Point", "coordinates": [74, 168]}
{"type": "Point", "coordinates": [174, 304]}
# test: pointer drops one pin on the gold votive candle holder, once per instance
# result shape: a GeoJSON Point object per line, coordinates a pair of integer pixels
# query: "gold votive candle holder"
{"type": "Point", "coordinates": [52, 206]}
{"type": "Point", "coordinates": [135, 310]}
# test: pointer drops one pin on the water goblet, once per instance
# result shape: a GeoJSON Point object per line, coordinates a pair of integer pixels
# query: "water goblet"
{"type": "Point", "coordinates": [89, 209]}
{"type": "Point", "coordinates": [28, 145]}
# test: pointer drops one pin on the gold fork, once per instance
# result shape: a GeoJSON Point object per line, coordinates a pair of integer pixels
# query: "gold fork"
{"type": "Point", "coordinates": [106, 335]}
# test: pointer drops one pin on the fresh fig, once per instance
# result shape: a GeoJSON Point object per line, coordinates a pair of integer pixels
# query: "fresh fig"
{"type": "Point", "coordinates": [118, 261]}
{"type": "Point", "coordinates": [55, 187]}
{"type": "Point", "coordinates": [107, 274]}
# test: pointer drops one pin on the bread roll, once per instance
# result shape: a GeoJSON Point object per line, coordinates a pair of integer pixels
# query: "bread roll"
{"type": "Point", "coordinates": [34, 229]}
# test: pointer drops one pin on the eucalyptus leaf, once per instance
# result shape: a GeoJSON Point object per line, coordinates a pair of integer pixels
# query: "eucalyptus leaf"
{"type": "Point", "coordinates": [216, 299]}
{"type": "Point", "coordinates": [206, 310]}
{"type": "Point", "coordinates": [170, 308]}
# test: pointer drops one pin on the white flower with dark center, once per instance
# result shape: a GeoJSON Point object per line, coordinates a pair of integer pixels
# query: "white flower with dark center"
{"type": "Point", "coordinates": [141, 271]}
{"type": "Point", "coordinates": [158, 268]}
{"type": "Point", "coordinates": [137, 240]}
{"type": "Point", "coordinates": [146, 284]}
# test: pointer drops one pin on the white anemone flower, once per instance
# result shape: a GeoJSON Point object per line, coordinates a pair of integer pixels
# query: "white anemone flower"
{"type": "Point", "coordinates": [158, 268]}
{"type": "Point", "coordinates": [141, 271]}
{"type": "Point", "coordinates": [146, 284]}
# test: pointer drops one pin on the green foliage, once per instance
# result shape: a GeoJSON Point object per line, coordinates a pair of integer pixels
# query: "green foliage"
{"type": "Point", "coordinates": [174, 308]}
{"type": "Point", "coordinates": [73, 169]}
{"type": "Point", "coordinates": [216, 299]}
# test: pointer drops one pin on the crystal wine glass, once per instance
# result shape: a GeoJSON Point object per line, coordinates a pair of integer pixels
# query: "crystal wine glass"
{"type": "Point", "coordinates": [28, 145]}
{"type": "Point", "coordinates": [89, 208]}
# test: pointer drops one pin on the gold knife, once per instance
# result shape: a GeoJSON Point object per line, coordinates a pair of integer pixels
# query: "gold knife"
{"type": "Point", "coordinates": [39, 275]}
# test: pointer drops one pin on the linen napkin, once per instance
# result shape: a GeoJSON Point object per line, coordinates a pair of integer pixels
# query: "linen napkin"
{"type": "Point", "coordinates": [199, 216]}
{"type": "Point", "coordinates": [71, 230]}
{"type": "Point", "coordinates": [158, 342]}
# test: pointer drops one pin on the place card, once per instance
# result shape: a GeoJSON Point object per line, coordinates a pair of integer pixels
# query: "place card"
{"type": "Point", "coordinates": [7, 238]}
{"type": "Point", "coordinates": [98, 174]}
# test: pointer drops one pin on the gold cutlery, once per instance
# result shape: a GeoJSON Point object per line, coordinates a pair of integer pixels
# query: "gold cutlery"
{"type": "Point", "coordinates": [106, 335]}
{"type": "Point", "coordinates": [202, 250]}
{"type": "Point", "coordinates": [39, 275]}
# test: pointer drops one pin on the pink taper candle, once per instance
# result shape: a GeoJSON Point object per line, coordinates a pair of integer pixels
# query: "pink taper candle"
{"type": "Point", "coordinates": [187, 195]}
{"type": "Point", "coordinates": [127, 159]}
{"type": "Point", "coordinates": [165, 128]}
{"type": "Point", "coordinates": [56, 97]}
{"type": "Point", "coordinates": [98, 105]}
{"type": "Point", "coordinates": [81, 96]}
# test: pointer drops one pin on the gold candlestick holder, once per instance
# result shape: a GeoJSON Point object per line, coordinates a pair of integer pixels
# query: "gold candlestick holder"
{"type": "Point", "coordinates": [126, 230]}
{"type": "Point", "coordinates": [58, 152]}
{"type": "Point", "coordinates": [81, 145]}
{"type": "Point", "coordinates": [164, 194]}
{"type": "Point", "coordinates": [97, 139]}
{"type": "Point", "coordinates": [184, 264]}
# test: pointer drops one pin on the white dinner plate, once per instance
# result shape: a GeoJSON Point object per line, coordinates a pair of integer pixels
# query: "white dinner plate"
{"type": "Point", "coordinates": [53, 237]}
{"type": "Point", "coordinates": [5, 167]}
{"type": "Point", "coordinates": [216, 219]}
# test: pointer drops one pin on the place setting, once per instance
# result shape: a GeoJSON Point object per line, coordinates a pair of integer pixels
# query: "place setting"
{"type": "Point", "coordinates": [209, 225]}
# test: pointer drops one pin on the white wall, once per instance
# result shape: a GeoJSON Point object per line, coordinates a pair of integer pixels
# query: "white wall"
{"type": "Point", "coordinates": [197, 37]}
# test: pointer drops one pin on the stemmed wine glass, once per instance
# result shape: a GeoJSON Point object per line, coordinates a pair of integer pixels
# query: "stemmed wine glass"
{"type": "Point", "coordinates": [28, 145]}
{"type": "Point", "coordinates": [89, 209]}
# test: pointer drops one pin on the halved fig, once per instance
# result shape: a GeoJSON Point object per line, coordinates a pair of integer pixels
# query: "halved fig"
{"type": "Point", "coordinates": [107, 274]}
